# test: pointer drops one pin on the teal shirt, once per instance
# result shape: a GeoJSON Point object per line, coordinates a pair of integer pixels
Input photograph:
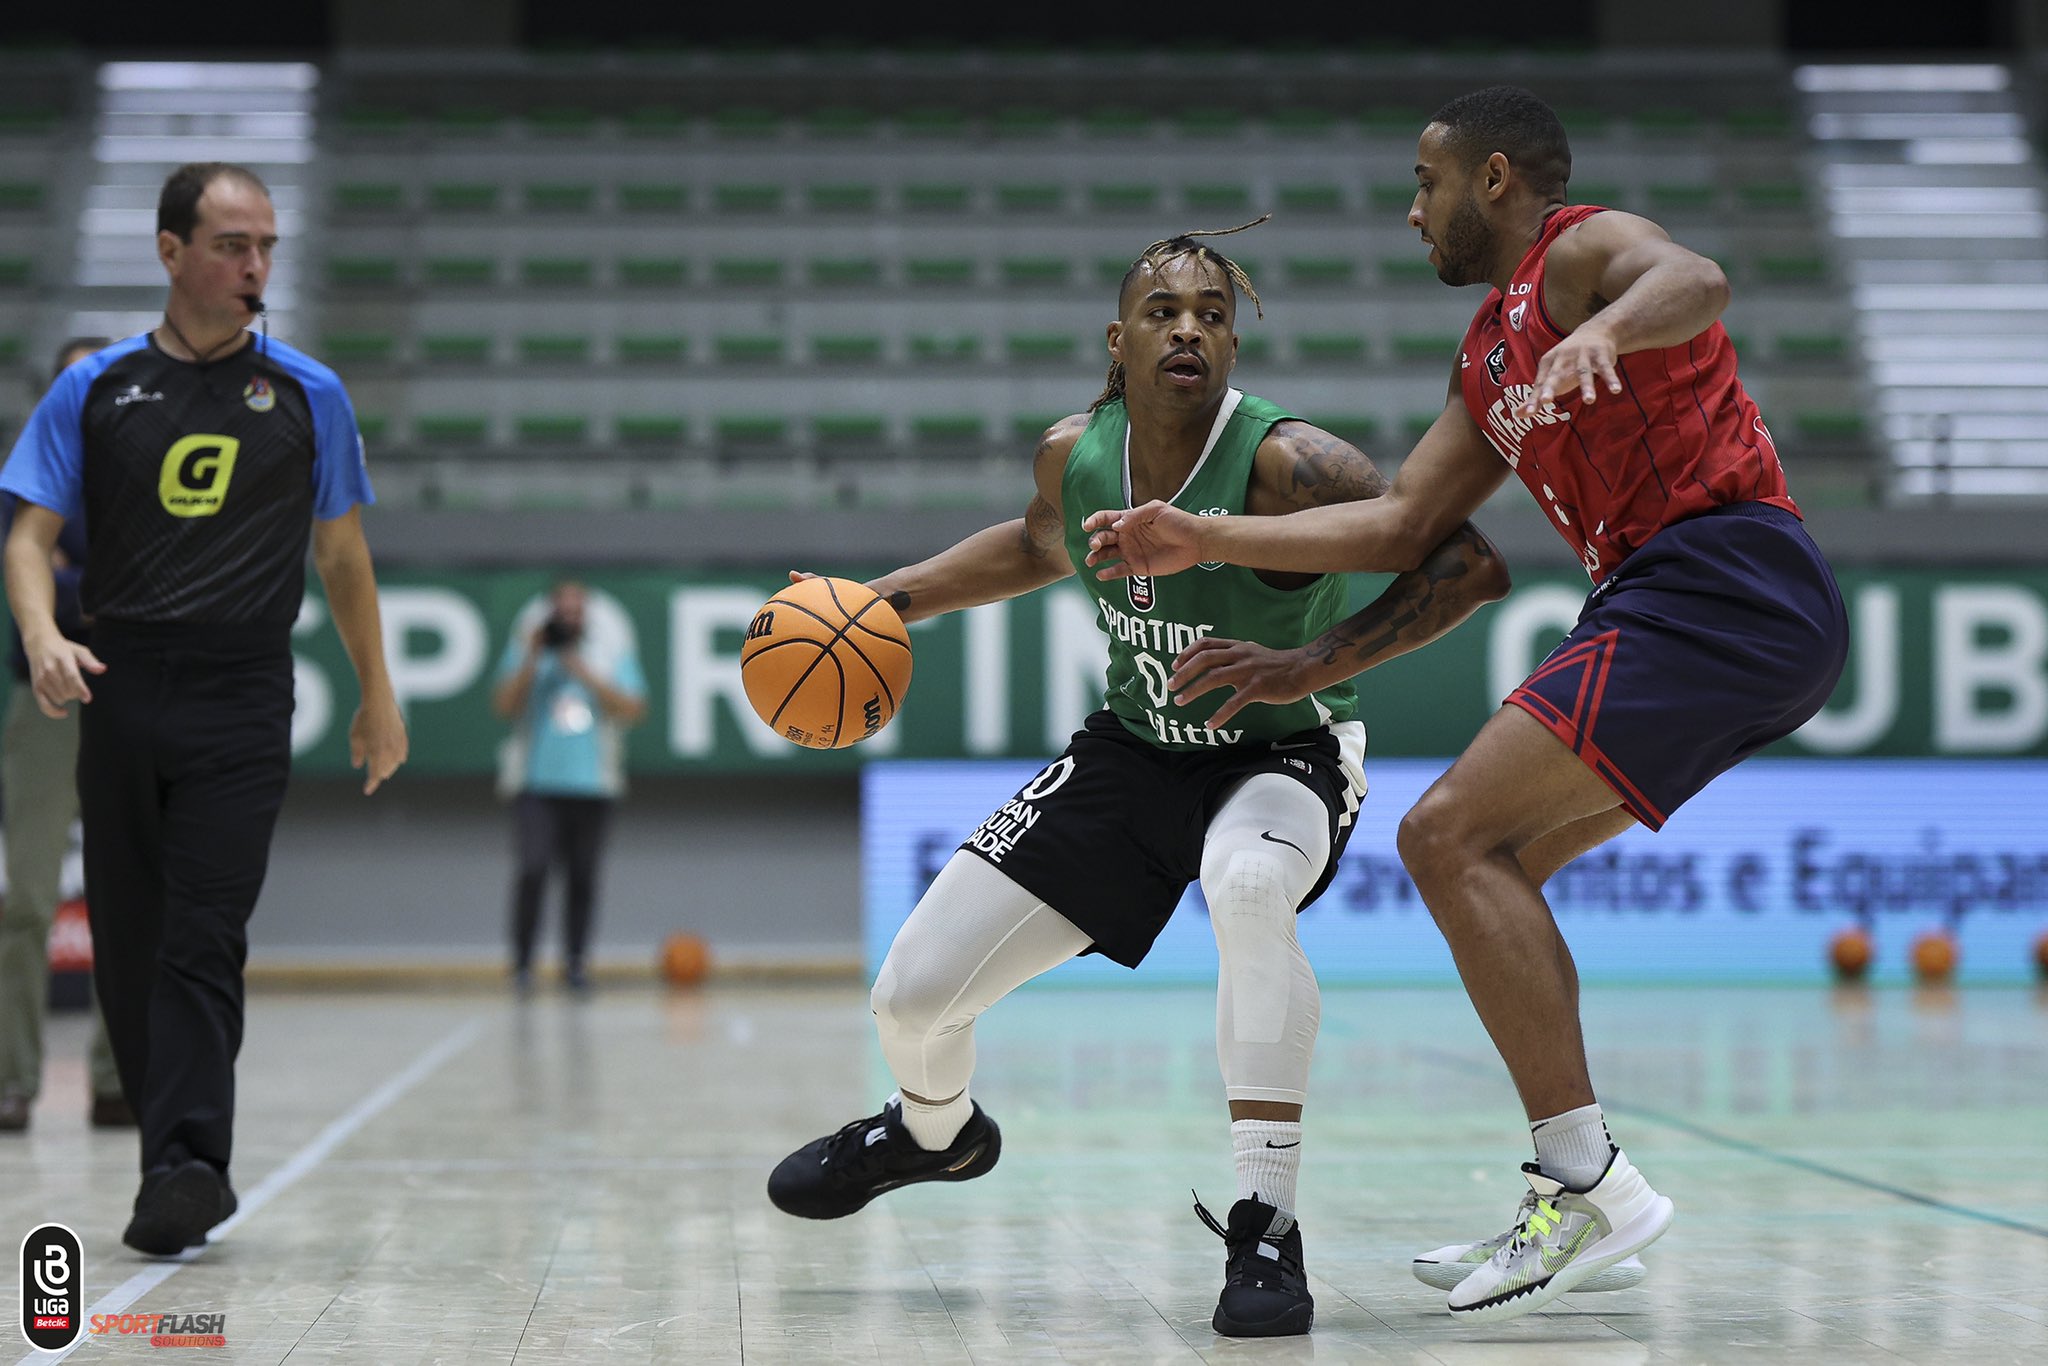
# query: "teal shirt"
{"type": "Point", "coordinates": [562, 744]}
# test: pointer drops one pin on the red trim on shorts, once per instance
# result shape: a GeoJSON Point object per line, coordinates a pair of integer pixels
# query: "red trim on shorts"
{"type": "Point", "coordinates": [1594, 659]}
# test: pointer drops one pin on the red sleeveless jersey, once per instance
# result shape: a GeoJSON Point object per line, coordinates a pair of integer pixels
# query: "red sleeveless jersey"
{"type": "Point", "coordinates": [1681, 437]}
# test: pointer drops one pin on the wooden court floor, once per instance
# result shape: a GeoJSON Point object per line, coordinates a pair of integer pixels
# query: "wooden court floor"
{"type": "Point", "coordinates": [464, 1178]}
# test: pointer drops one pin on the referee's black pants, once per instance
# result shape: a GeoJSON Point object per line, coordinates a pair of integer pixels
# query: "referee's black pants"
{"type": "Point", "coordinates": [184, 752]}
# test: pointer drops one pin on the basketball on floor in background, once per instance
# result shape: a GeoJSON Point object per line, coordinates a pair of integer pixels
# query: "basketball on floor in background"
{"type": "Point", "coordinates": [685, 960]}
{"type": "Point", "coordinates": [1849, 953]}
{"type": "Point", "coordinates": [826, 663]}
{"type": "Point", "coordinates": [1934, 957]}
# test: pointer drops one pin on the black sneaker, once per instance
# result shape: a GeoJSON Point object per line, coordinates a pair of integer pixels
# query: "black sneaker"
{"type": "Point", "coordinates": [831, 1177]}
{"type": "Point", "coordinates": [176, 1206]}
{"type": "Point", "coordinates": [1265, 1288]}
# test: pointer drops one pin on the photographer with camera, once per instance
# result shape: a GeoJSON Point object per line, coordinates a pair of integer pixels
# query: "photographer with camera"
{"type": "Point", "coordinates": [570, 697]}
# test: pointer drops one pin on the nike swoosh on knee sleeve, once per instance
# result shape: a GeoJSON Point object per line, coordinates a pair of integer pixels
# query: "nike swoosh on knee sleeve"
{"type": "Point", "coordinates": [1269, 835]}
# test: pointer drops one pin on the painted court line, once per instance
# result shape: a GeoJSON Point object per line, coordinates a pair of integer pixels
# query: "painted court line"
{"type": "Point", "coordinates": [274, 1185]}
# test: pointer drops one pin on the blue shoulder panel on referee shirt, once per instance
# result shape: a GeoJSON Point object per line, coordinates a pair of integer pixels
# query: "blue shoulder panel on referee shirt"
{"type": "Point", "coordinates": [47, 467]}
{"type": "Point", "coordinates": [340, 479]}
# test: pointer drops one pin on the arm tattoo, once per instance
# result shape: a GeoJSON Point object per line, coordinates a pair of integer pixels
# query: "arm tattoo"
{"type": "Point", "coordinates": [1329, 470]}
{"type": "Point", "coordinates": [1044, 528]}
{"type": "Point", "coordinates": [1416, 608]}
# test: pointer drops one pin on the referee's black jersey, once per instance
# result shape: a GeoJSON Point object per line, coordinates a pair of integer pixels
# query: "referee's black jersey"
{"type": "Point", "coordinates": [198, 484]}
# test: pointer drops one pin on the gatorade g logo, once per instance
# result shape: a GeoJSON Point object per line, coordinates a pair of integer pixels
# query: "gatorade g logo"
{"type": "Point", "coordinates": [194, 481]}
{"type": "Point", "coordinates": [50, 1288]}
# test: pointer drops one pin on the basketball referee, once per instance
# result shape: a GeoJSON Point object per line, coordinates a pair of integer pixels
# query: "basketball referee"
{"type": "Point", "coordinates": [203, 460]}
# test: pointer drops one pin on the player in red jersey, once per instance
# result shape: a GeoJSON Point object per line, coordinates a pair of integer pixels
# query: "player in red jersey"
{"type": "Point", "coordinates": [1598, 371]}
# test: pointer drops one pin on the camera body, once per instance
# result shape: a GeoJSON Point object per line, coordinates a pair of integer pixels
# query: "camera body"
{"type": "Point", "coordinates": [556, 634]}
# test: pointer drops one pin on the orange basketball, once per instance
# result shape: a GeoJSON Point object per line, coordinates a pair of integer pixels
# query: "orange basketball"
{"type": "Point", "coordinates": [685, 960]}
{"type": "Point", "coordinates": [1934, 957]}
{"type": "Point", "coordinates": [1850, 954]}
{"type": "Point", "coordinates": [826, 663]}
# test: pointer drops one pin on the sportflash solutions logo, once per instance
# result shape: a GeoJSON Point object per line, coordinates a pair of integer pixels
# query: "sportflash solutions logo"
{"type": "Point", "coordinates": [165, 1330]}
{"type": "Point", "coordinates": [50, 1276]}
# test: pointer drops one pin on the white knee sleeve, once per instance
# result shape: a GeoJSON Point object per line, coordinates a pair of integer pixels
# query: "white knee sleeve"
{"type": "Point", "coordinates": [1263, 854]}
{"type": "Point", "coordinates": [975, 937]}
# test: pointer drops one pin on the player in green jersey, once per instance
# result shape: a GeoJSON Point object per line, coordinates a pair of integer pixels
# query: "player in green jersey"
{"type": "Point", "coordinates": [1093, 854]}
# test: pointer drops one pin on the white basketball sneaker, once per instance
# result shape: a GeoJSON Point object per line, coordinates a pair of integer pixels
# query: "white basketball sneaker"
{"type": "Point", "coordinates": [1561, 1240]}
{"type": "Point", "coordinates": [1447, 1266]}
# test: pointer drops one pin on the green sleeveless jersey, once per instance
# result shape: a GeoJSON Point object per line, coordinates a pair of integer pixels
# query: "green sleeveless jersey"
{"type": "Point", "coordinates": [1150, 620]}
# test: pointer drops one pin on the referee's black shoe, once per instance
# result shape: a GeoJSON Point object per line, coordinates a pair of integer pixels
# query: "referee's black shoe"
{"type": "Point", "coordinates": [176, 1206]}
{"type": "Point", "coordinates": [1265, 1287]}
{"type": "Point", "coordinates": [831, 1177]}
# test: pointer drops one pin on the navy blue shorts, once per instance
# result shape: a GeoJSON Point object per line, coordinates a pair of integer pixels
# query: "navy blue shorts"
{"type": "Point", "coordinates": [1720, 636]}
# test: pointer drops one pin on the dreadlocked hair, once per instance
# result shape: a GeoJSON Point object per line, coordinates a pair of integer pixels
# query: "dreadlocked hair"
{"type": "Point", "coordinates": [1175, 248]}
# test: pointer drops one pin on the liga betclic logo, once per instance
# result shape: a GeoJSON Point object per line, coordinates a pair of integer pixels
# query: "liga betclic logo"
{"type": "Point", "coordinates": [51, 1275]}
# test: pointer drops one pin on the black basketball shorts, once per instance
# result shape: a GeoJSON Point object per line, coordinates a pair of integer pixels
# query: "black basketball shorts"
{"type": "Point", "coordinates": [1110, 834]}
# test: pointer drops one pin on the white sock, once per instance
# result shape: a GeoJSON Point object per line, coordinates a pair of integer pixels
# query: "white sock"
{"type": "Point", "coordinates": [936, 1126]}
{"type": "Point", "coordinates": [1268, 1154]}
{"type": "Point", "coordinates": [1573, 1147]}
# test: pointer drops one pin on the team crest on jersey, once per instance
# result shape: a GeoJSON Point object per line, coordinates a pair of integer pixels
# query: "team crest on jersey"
{"type": "Point", "coordinates": [1517, 313]}
{"type": "Point", "coordinates": [1497, 361]}
{"type": "Point", "coordinates": [1142, 596]}
{"type": "Point", "coordinates": [259, 396]}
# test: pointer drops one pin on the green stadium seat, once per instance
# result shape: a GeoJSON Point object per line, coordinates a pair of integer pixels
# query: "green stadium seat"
{"type": "Point", "coordinates": [359, 348]}
{"type": "Point", "coordinates": [751, 427]}
{"type": "Point", "coordinates": [843, 198]}
{"type": "Point", "coordinates": [554, 349]}
{"type": "Point", "coordinates": [1211, 121]}
{"type": "Point", "coordinates": [1321, 270]}
{"type": "Point", "coordinates": [1799, 269]}
{"type": "Point", "coordinates": [1771, 196]}
{"type": "Point", "coordinates": [11, 350]}
{"type": "Point", "coordinates": [469, 121]}
{"type": "Point", "coordinates": [750, 349]}
{"type": "Point", "coordinates": [1032, 427]}
{"type": "Point", "coordinates": [1311, 198]}
{"type": "Point", "coordinates": [359, 197]}
{"type": "Point", "coordinates": [1331, 348]}
{"type": "Point", "coordinates": [561, 121]}
{"type": "Point", "coordinates": [1602, 192]}
{"type": "Point", "coordinates": [841, 122]}
{"type": "Point", "coordinates": [1359, 429]}
{"type": "Point", "coordinates": [551, 428]}
{"type": "Point", "coordinates": [1391, 121]}
{"type": "Point", "coordinates": [1424, 348]}
{"type": "Point", "coordinates": [655, 121]}
{"type": "Point", "coordinates": [939, 270]}
{"type": "Point", "coordinates": [650, 198]}
{"type": "Point", "coordinates": [1024, 123]}
{"type": "Point", "coordinates": [1582, 122]}
{"type": "Point", "coordinates": [366, 122]}
{"type": "Point", "coordinates": [948, 428]}
{"type": "Point", "coordinates": [933, 123]}
{"type": "Point", "coordinates": [462, 197]}
{"type": "Point", "coordinates": [847, 350]}
{"type": "Point", "coordinates": [461, 271]}
{"type": "Point", "coordinates": [452, 428]}
{"type": "Point", "coordinates": [461, 348]}
{"type": "Point", "coordinates": [362, 272]}
{"type": "Point", "coordinates": [1216, 198]}
{"type": "Point", "coordinates": [1032, 272]}
{"type": "Point", "coordinates": [557, 272]}
{"type": "Point", "coordinates": [1301, 123]}
{"type": "Point", "coordinates": [945, 350]}
{"type": "Point", "coordinates": [1812, 346]}
{"type": "Point", "coordinates": [372, 427]}
{"type": "Point", "coordinates": [652, 272]}
{"type": "Point", "coordinates": [1681, 198]}
{"type": "Point", "coordinates": [1110, 270]}
{"type": "Point", "coordinates": [1391, 196]}
{"type": "Point", "coordinates": [649, 429]}
{"type": "Point", "coordinates": [642, 348]}
{"type": "Point", "coordinates": [847, 272]}
{"type": "Point", "coordinates": [1123, 198]}
{"type": "Point", "coordinates": [1254, 350]}
{"type": "Point", "coordinates": [746, 123]}
{"type": "Point", "coordinates": [1047, 198]}
{"type": "Point", "coordinates": [1414, 426]}
{"type": "Point", "coordinates": [1759, 123]}
{"type": "Point", "coordinates": [747, 271]}
{"type": "Point", "coordinates": [1040, 346]}
{"type": "Point", "coordinates": [20, 196]}
{"type": "Point", "coordinates": [1116, 123]}
{"type": "Point", "coordinates": [1827, 425]}
{"type": "Point", "coordinates": [561, 198]}
{"type": "Point", "coordinates": [1665, 123]}
{"type": "Point", "coordinates": [932, 198]}
{"type": "Point", "coordinates": [848, 428]}
{"type": "Point", "coordinates": [1407, 270]}
{"type": "Point", "coordinates": [747, 198]}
